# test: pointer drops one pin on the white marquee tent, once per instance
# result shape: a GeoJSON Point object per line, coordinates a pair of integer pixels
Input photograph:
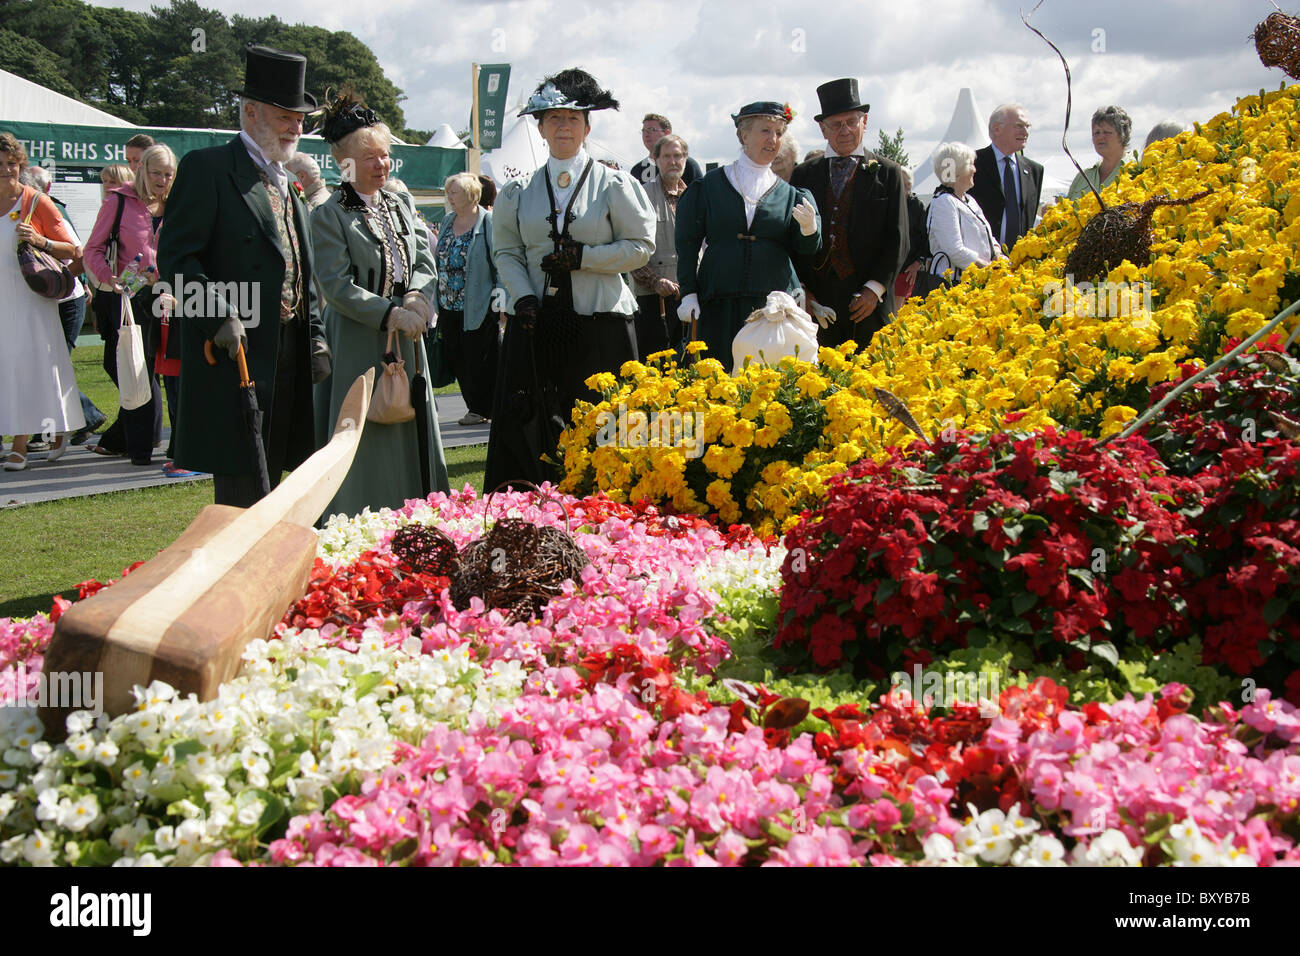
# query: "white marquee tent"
{"type": "Point", "coordinates": [968, 125]}
{"type": "Point", "coordinates": [445, 137]}
{"type": "Point", "coordinates": [22, 101]}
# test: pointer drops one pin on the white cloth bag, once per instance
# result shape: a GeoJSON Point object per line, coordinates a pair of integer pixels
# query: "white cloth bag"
{"type": "Point", "coordinates": [775, 331]}
{"type": "Point", "coordinates": [133, 386]}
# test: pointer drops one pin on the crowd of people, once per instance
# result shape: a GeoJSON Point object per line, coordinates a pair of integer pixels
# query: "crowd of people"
{"type": "Point", "coordinates": [571, 270]}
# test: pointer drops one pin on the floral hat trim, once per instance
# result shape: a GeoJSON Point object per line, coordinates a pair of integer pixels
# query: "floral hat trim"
{"type": "Point", "coordinates": [764, 108]}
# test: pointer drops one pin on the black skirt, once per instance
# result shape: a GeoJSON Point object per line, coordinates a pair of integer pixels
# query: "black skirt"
{"type": "Point", "coordinates": [540, 377]}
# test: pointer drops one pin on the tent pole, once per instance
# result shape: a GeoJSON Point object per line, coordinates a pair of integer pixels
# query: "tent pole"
{"type": "Point", "coordinates": [474, 160]}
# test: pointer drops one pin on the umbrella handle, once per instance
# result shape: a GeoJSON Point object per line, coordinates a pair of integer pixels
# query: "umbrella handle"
{"type": "Point", "coordinates": [244, 380]}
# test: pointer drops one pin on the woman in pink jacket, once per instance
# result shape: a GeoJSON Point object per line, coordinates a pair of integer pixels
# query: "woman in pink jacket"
{"type": "Point", "coordinates": [132, 213]}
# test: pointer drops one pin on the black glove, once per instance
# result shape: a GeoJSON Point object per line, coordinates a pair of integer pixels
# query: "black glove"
{"type": "Point", "coordinates": [567, 259]}
{"type": "Point", "coordinates": [321, 364]}
{"type": "Point", "coordinates": [526, 311]}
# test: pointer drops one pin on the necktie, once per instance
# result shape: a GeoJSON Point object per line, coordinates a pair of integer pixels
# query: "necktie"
{"type": "Point", "coordinates": [1012, 203]}
{"type": "Point", "coordinates": [841, 166]}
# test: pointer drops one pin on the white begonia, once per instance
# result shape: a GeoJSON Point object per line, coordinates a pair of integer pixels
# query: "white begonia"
{"type": "Point", "coordinates": [47, 804]}
{"type": "Point", "coordinates": [8, 779]}
{"type": "Point", "coordinates": [79, 721]}
{"type": "Point", "coordinates": [12, 848]}
{"type": "Point", "coordinates": [39, 848]}
{"type": "Point", "coordinates": [938, 847]}
{"type": "Point", "coordinates": [250, 812]}
{"type": "Point", "coordinates": [77, 815]}
{"type": "Point", "coordinates": [106, 752]}
{"type": "Point", "coordinates": [1041, 850]}
{"type": "Point", "coordinates": [7, 802]}
{"type": "Point", "coordinates": [18, 757]}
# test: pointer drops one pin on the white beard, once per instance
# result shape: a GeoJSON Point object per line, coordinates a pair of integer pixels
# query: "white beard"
{"type": "Point", "coordinates": [269, 142]}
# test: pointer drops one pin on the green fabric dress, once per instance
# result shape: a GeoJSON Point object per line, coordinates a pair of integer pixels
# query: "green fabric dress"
{"type": "Point", "coordinates": [1079, 187]}
{"type": "Point", "coordinates": [741, 264]}
{"type": "Point", "coordinates": [355, 269]}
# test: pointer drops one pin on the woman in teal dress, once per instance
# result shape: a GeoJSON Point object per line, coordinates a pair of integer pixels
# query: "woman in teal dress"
{"type": "Point", "coordinates": [377, 274]}
{"type": "Point", "coordinates": [1111, 129]}
{"type": "Point", "coordinates": [751, 224]}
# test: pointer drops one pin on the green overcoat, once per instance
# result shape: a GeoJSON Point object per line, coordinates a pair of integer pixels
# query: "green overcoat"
{"type": "Point", "coordinates": [218, 242]}
{"type": "Point", "coordinates": [355, 270]}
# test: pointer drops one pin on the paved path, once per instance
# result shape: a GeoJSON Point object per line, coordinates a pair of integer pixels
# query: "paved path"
{"type": "Point", "coordinates": [80, 472]}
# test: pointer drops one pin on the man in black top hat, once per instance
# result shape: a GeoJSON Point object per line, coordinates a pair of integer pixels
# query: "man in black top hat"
{"type": "Point", "coordinates": [863, 205]}
{"type": "Point", "coordinates": [234, 226]}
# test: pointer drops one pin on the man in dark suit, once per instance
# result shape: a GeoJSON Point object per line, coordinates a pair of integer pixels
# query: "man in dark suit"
{"type": "Point", "coordinates": [1001, 167]}
{"type": "Point", "coordinates": [864, 223]}
{"type": "Point", "coordinates": [237, 231]}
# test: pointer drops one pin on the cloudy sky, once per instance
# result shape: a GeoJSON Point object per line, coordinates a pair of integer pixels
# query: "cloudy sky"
{"type": "Point", "coordinates": [697, 61]}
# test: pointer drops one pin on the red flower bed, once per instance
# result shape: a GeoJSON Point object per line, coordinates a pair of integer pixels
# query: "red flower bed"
{"type": "Point", "coordinates": [1050, 538]}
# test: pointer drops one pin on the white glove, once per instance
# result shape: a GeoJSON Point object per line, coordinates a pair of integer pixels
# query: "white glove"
{"type": "Point", "coordinates": [823, 314]}
{"type": "Point", "coordinates": [417, 303]}
{"type": "Point", "coordinates": [806, 215]}
{"type": "Point", "coordinates": [690, 308]}
{"type": "Point", "coordinates": [406, 321]}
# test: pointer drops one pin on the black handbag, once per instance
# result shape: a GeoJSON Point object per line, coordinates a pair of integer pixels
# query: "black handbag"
{"type": "Point", "coordinates": [927, 280]}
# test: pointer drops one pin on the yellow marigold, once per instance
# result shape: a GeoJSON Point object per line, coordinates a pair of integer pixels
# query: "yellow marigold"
{"type": "Point", "coordinates": [811, 385]}
{"type": "Point", "coordinates": [1244, 323]}
{"type": "Point", "coordinates": [1116, 417]}
{"type": "Point", "coordinates": [723, 461]}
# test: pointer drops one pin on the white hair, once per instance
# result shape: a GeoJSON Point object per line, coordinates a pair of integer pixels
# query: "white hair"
{"type": "Point", "coordinates": [1164, 130]}
{"type": "Point", "coordinates": [951, 160]}
{"type": "Point", "coordinates": [303, 163]}
{"type": "Point", "coordinates": [38, 177]}
{"type": "Point", "coordinates": [1000, 115]}
{"type": "Point", "coordinates": [343, 148]}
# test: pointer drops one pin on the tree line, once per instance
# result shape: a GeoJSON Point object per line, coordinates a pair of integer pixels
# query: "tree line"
{"type": "Point", "coordinates": [180, 65]}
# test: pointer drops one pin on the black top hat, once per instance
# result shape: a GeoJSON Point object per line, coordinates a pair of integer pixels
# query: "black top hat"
{"type": "Point", "coordinates": [278, 78]}
{"type": "Point", "coordinates": [839, 96]}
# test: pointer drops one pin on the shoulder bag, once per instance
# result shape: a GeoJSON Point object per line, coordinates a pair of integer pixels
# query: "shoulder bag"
{"type": "Point", "coordinates": [44, 274]}
{"type": "Point", "coordinates": [133, 385]}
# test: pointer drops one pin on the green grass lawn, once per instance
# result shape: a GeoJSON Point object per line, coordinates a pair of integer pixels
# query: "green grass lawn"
{"type": "Point", "coordinates": [51, 546]}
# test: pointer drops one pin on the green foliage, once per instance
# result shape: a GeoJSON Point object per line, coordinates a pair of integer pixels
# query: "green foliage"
{"type": "Point", "coordinates": [891, 147]}
{"type": "Point", "coordinates": [181, 64]}
{"type": "Point", "coordinates": [27, 58]}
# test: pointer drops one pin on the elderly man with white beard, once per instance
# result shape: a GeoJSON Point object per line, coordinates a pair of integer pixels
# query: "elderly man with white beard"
{"type": "Point", "coordinates": [234, 223]}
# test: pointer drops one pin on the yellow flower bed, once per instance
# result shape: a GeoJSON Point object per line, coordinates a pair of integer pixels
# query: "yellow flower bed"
{"type": "Point", "coordinates": [1016, 336]}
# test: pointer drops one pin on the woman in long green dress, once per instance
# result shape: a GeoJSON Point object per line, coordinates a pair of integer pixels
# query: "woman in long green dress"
{"type": "Point", "coordinates": [751, 223]}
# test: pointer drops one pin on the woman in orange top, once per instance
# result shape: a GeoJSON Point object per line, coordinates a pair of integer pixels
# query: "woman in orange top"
{"type": "Point", "coordinates": [38, 389]}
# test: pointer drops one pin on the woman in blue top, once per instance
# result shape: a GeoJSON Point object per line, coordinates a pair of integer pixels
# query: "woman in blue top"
{"type": "Point", "coordinates": [467, 322]}
{"type": "Point", "coordinates": [754, 223]}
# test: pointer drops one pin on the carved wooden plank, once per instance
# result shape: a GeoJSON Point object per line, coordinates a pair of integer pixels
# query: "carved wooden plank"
{"type": "Point", "coordinates": [186, 616]}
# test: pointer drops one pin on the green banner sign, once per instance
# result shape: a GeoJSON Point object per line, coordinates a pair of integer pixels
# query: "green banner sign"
{"type": "Point", "coordinates": [422, 168]}
{"type": "Point", "coordinates": [493, 80]}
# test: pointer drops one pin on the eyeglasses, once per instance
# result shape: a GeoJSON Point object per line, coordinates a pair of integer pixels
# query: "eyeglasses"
{"type": "Point", "coordinates": [836, 126]}
{"type": "Point", "coordinates": [653, 129]}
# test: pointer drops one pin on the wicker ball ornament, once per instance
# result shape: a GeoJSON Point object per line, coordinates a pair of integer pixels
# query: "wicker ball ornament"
{"type": "Point", "coordinates": [1277, 41]}
{"type": "Point", "coordinates": [426, 550]}
{"type": "Point", "coordinates": [517, 566]}
{"type": "Point", "coordinates": [1118, 233]}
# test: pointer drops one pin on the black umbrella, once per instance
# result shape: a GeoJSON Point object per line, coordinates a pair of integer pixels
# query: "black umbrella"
{"type": "Point", "coordinates": [420, 402]}
{"type": "Point", "coordinates": [252, 415]}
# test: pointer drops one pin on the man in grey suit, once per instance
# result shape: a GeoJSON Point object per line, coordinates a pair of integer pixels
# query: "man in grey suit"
{"type": "Point", "coordinates": [1002, 167]}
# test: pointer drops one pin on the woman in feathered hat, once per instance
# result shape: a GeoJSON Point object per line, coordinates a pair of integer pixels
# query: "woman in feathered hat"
{"type": "Point", "coordinates": [377, 274]}
{"type": "Point", "coordinates": [754, 223]}
{"type": "Point", "coordinates": [562, 237]}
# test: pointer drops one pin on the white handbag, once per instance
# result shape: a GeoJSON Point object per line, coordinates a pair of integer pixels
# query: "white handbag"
{"type": "Point", "coordinates": [778, 329]}
{"type": "Point", "coordinates": [133, 386]}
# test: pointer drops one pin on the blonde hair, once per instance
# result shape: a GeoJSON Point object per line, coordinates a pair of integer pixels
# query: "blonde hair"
{"type": "Point", "coordinates": [468, 184]}
{"type": "Point", "coordinates": [154, 154]}
{"type": "Point", "coordinates": [119, 174]}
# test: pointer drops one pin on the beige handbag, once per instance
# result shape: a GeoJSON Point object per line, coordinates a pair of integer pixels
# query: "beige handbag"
{"type": "Point", "coordinates": [391, 402]}
{"type": "Point", "coordinates": [133, 386]}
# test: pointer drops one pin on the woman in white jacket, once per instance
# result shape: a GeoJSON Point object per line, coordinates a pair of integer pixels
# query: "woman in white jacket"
{"type": "Point", "coordinates": [959, 234]}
